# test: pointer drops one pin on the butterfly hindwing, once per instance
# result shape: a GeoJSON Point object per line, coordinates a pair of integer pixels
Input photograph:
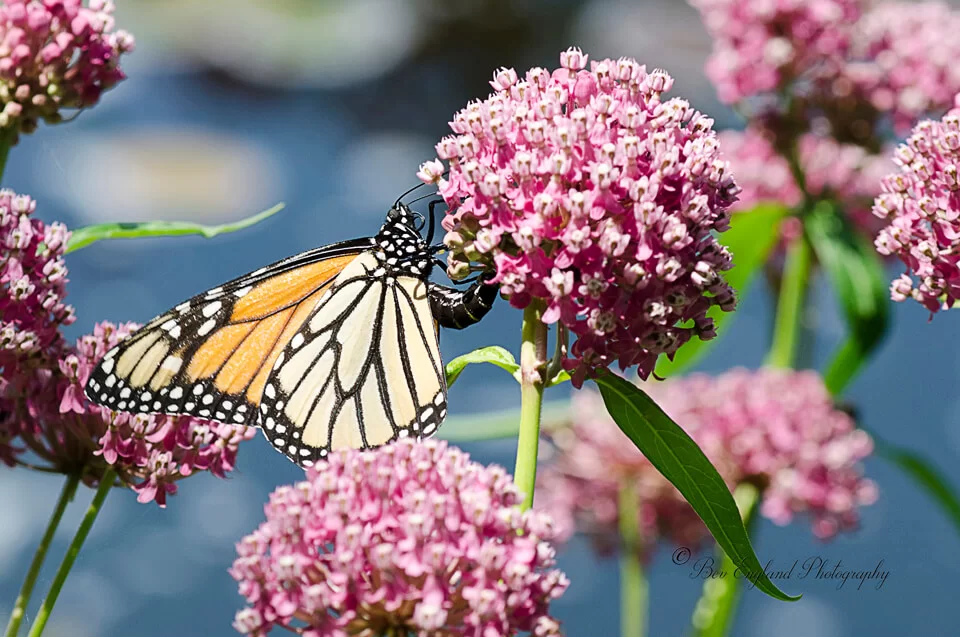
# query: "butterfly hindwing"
{"type": "Point", "coordinates": [210, 356]}
{"type": "Point", "coordinates": [363, 370]}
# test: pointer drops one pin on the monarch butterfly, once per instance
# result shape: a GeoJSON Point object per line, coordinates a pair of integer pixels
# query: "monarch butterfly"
{"type": "Point", "coordinates": [332, 348]}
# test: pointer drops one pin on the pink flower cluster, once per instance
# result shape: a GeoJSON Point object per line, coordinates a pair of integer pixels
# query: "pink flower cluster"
{"type": "Point", "coordinates": [589, 194]}
{"type": "Point", "coordinates": [777, 429]}
{"type": "Point", "coordinates": [921, 205]}
{"type": "Point", "coordinates": [848, 65]}
{"type": "Point", "coordinates": [413, 538]}
{"type": "Point", "coordinates": [846, 172]}
{"type": "Point", "coordinates": [760, 46]}
{"type": "Point", "coordinates": [56, 54]}
{"type": "Point", "coordinates": [42, 407]}
{"type": "Point", "coordinates": [902, 61]}
{"type": "Point", "coordinates": [33, 281]}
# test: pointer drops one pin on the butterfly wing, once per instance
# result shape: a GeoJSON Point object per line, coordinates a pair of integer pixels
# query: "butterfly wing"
{"type": "Point", "coordinates": [210, 356]}
{"type": "Point", "coordinates": [364, 369]}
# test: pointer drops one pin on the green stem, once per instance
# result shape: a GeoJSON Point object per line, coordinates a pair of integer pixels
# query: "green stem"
{"type": "Point", "coordinates": [106, 483]}
{"type": "Point", "coordinates": [533, 354]}
{"type": "Point", "coordinates": [717, 605]}
{"type": "Point", "coordinates": [23, 599]}
{"type": "Point", "coordinates": [793, 292]}
{"type": "Point", "coordinates": [7, 137]}
{"type": "Point", "coordinates": [633, 581]}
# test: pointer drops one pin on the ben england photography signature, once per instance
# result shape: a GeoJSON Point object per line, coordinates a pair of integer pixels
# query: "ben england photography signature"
{"type": "Point", "coordinates": [815, 567]}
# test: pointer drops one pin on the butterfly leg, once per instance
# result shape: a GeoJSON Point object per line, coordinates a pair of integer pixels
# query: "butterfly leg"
{"type": "Point", "coordinates": [457, 309]}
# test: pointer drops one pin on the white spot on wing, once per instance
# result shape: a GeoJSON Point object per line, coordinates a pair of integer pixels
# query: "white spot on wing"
{"type": "Point", "coordinates": [212, 308]}
{"type": "Point", "coordinates": [207, 327]}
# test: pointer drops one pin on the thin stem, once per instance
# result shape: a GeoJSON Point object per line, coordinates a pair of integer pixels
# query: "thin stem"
{"type": "Point", "coordinates": [533, 354]}
{"type": "Point", "coordinates": [717, 605]}
{"type": "Point", "coordinates": [106, 483]}
{"type": "Point", "coordinates": [633, 581]}
{"type": "Point", "coordinates": [7, 137]}
{"type": "Point", "coordinates": [23, 599]}
{"type": "Point", "coordinates": [793, 292]}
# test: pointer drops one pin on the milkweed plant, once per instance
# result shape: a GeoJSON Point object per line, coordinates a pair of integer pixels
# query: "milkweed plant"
{"type": "Point", "coordinates": [625, 231]}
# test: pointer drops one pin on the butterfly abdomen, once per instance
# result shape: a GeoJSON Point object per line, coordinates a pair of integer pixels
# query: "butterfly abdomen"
{"type": "Point", "coordinates": [457, 309]}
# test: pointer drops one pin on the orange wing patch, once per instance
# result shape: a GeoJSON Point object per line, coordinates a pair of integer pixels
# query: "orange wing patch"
{"type": "Point", "coordinates": [249, 357]}
{"type": "Point", "coordinates": [213, 354]}
{"type": "Point", "coordinates": [285, 289]}
{"type": "Point", "coordinates": [300, 314]}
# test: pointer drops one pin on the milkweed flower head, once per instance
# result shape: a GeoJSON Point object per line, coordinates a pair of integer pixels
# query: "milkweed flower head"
{"type": "Point", "coordinates": [776, 429]}
{"type": "Point", "coordinates": [588, 193]}
{"type": "Point", "coordinates": [846, 172]}
{"type": "Point", "coordinates": [760, 46]}
{"type": "Point", "coordinates": [56, 55]}
{"type": "Point", "coordinates": [33, 280]}
{"type": "Point", "coordinates": [920, 203]}
{"type": "Point", "coordinates": [901, 64]}
{"type": "Point", "coordinates": [413, 537]}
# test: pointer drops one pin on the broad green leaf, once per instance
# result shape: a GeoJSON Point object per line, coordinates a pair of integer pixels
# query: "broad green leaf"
{"type": "Point", "coordinates": [493, 354]}
{"type": "Point", "coordinates": [504, 423]}
{"type": "Point", "coordinates": [82, 237]}
{"type": "Point", "coordinates": [751, 238]}
{"type": "Point", "coordinates": [858, 280]}
{"type": "Point", "coordinates": [680, 460]}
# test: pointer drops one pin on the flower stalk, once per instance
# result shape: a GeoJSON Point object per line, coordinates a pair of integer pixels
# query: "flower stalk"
{"type": "Point", "coordinates": [716, 608]}
{"type": "Point", "coordinates": [790, 304]}
{"type": "Point", "coordinates": [43, 615]}
{"type": "Point", "coordinates": [633, 581]}
{"type": "Point", "coordinates": [26, 590]}
{"type": "Point", "coordinates": [533, 352]}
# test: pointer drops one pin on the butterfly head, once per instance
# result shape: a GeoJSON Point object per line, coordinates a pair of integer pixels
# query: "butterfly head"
{"type": "Point", "coordinates": [400, 245]}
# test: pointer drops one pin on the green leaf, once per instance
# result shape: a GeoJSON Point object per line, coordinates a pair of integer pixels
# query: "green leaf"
{"type": "Point", "coordinates": [504, 423]}
{"type": "Point", "coordinates": [82, 237]}
{"type": "Point", "coordinates": [493, 354]}
{"type": "Point", "coordinates": [680, 460]}
{"type": "Point", "coordinates": [858, 280]}
{"type": "Point", "coordinates": [751, 238]}
{"type": "Point", "coordinates": [924, 473]}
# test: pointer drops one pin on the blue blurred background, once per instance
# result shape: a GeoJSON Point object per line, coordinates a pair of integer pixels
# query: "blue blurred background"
{"type": "Point", "coordinates": [330, 107]}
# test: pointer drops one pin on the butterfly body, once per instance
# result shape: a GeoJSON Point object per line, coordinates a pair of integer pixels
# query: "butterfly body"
{"type": "Point", "coordinates": [336, 347]}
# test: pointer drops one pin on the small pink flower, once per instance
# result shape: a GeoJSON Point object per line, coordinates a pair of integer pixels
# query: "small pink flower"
{"type": "Point", "coordinates": [776, 429]}
{"type": "Point", "coordinates": [413, 536]}
{"type": "Point", "coordinates": [921, 205]}
{"type": "Point", "coordinates": [574, 175]}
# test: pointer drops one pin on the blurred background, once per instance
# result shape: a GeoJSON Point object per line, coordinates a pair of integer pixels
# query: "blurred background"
{"type": "Point", "coordinates": [330, 106]}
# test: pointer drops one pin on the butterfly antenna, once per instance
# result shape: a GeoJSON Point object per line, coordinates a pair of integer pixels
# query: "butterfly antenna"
{"type": "Point", "coordinates": [397, 202]}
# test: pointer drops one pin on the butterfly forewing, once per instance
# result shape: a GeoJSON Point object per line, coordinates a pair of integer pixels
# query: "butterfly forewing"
{"type": "Point", "coordinates": [210, 356]}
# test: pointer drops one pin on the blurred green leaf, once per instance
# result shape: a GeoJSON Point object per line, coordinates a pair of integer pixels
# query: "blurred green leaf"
{"type": "Point", "coordinates": [751, 238]}
{"type": "Point", "coordinates": [494, 354]}
{"type": "Point", "coordinates": [927, 476]}
{"type": "Point", "coordinates": [503, 423]}
{"type": "Point", "coordinates": [857, 276]}
{"type": "Point", "coordinates": [82, 237]}
{"type": "Point", "coordinates": [924, 473]}
{"type": "Point", "coordinates": [680, 460]}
